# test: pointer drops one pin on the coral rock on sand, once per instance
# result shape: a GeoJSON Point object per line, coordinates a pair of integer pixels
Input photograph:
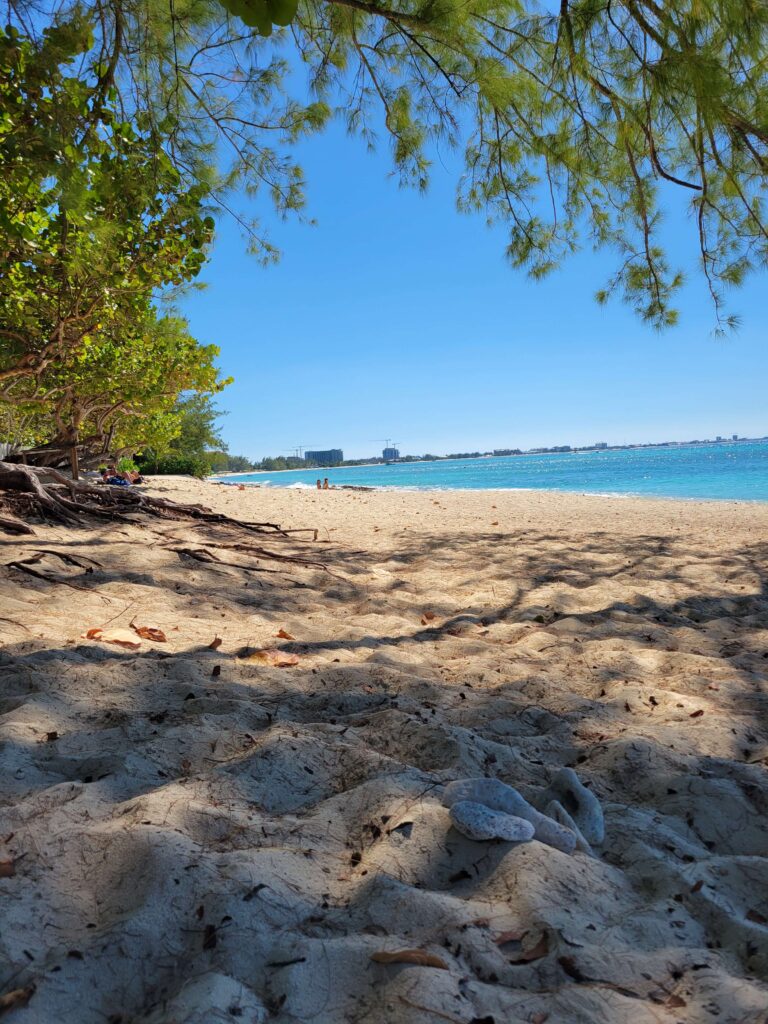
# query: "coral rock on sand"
{"type": "Point", "coordinates": [498, 796]}
{"type": "Point", "coordinates": [479, 822]}
{"type": "Point", "coordinates": [581, 804]}
{"type": "Point", "coordinates": [558, 813]}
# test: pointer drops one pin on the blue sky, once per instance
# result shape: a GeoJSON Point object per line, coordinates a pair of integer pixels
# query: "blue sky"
{"type": "Point", "coordinates": [396, 316]}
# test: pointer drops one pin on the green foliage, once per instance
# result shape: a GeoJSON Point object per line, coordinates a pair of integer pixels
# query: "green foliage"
{"type": "Point", "coordinates": [94, 217]}
{"type": "Point", "coordinates": [263, 14]}
{"type": "Point", "coordinates": [580, 122]}
{"type": "Point", "coordinates": [239, 464]}
{"type": "Point", "coordinates": [126, 465]}
{"type": "Point", "coordinates": [173, 464]}
{"type": "Point", "coordinates": [198, 429]}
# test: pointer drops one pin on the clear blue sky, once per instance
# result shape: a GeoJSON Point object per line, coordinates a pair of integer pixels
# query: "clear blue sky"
{"type": "Point", "coordinates": [396, 316]}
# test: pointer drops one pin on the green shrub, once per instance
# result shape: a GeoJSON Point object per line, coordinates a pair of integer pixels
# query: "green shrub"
{"type": "Point", "coordinates": [175, 465]}
{"type": "Point", "coordinates": [126, 465]}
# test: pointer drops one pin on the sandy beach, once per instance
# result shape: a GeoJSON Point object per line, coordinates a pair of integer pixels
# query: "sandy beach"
{"type": "Point", "coordinates": [192, 834]}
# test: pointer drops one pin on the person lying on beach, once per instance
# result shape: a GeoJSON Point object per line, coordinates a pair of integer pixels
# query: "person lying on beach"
{"type": "Point", "coordinates": [111, 476]}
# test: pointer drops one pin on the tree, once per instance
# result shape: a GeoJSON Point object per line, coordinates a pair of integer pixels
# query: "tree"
{"type": "Point", "coordinates": [94, 217]}
{"type": "Point", "coordinates": [198, 429]}
{"type": "Point", "coordinates": [579, 120]}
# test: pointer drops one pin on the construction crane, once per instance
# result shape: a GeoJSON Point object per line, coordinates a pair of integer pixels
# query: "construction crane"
{"type": "Point", "coordinates": [298, 450]}
{"type": "Point", "coordinates": [386, 441]}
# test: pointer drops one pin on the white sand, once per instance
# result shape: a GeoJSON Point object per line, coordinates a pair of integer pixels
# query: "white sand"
{"type": "Point", "coordinates": [200, 847]}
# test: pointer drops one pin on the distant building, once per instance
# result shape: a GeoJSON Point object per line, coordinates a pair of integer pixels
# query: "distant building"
{"type": "Point", "coordinates": [735, 437]}
{"type": "Point", "coordinates": [331, 457]}
{"type": "Point", "coordinates": [390, 454]}
{"type": "Point", "coordinates": [601, 444]}
{"type": "Point", "coordinates": [719, 438]}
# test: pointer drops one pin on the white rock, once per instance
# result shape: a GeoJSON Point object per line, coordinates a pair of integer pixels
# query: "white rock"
{"type": "Point", "coordinates": [479, 822]}
{"type": "Point", "coordinates": [498, 796]}
{"type": "Point", "coordinates": [580, 803]}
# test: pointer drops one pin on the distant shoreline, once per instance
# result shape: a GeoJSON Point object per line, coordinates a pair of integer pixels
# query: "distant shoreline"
{"type": "Point", "coordinates": [666, 445]}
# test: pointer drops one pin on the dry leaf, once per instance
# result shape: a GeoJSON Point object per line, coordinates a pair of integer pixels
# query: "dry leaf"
{"type": "Point", "coordinates": [675, 1001]}
{"type": "Point", "coordinates": [536, 952]}
{"type": "Point", "coordinates": [505, 937]}
{"type": "Point", "coordinates": [150, 633]}
{"type": "Point", "coordinates": [51, 736]}
{"type": "Point", "coordinates": [215, 644]}
{"type": "Point", "coordinates": [410, 956]}
{"type": "Point", "coordinates": [495, 523]}
{"type": "Point", "coordinates": [273, 657]}
{"type": "Point", "coordinates": [696, 714]}
{"type": "Point", "coordinates": [756, 916]}
{"type": "Point", "coordinates": [539, 1018]}
{"type": "Point", "coordinates": [7, 868]}
{"type": "Point", "coordinates": [121, 637]}
{"type": "Point", "coordinates": [697, 885]}
{"type": "Point", "coordinates": [282, 635]}
{"type": "Point", "coordinates": [18, 997]}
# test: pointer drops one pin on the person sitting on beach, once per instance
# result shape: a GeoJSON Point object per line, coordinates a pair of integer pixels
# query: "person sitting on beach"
{"type": "Point", "coordinates": [319, 485]}
{"type": "Point", "coordinates": [325, 484]}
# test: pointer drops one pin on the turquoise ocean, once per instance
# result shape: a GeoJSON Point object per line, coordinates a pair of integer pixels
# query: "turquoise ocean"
{"type": "Point", "coordinates": [736, 470]}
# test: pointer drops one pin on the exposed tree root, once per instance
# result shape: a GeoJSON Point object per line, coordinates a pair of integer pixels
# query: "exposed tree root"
{"type": "Point", "coordinates": [12, 525]}
{"type": "Point", "coordinates": [50, 495]}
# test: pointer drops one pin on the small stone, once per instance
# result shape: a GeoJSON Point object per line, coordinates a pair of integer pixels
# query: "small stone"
{"type": "Point", "coordinates": [580, 803]}
{"type": "Point", "coordinates": [498, 796]}
{"type": "Point", "coordinates": [477, 822]}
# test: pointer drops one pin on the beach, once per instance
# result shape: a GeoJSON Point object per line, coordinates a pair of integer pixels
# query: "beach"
{"type": "Point", "coordinates": [194, 832]}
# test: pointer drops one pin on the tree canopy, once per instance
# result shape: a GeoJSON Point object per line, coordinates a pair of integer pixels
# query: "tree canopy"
{"type": "Point", "coordinates": [95, 225]}
{"type": "Point", "coordinates": [579, 120]}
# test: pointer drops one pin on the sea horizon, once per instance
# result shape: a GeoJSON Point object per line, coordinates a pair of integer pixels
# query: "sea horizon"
{"type": "Point", "coordinates": [735, 470]}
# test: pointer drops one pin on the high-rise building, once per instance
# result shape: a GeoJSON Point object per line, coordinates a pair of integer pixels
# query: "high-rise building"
{"type": "Point", "coordinates": [331, 457]}
{"type": "Point", "coordinates": [735, 437]}
{"type": "Point", "coordinates": [390, 454]}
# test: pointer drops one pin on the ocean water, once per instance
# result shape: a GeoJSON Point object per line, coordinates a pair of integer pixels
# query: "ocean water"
{"type": "Point", "coordinates": [736, 470]}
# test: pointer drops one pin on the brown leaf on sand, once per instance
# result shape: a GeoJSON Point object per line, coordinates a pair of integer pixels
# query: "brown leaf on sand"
{"type": "Point", "coordinates": [675, 1002]}
{"type": "Point", "coordinates": [756, 916]}
{"type": "Point", "coordinates": [534, 952]}
{"type": "Point", "coordinates": [410, 956]}
{"type": "Point", "coordinates": [17, 997]}
{"type": "Point", "coordinates": [7, 868]}
{"type": "Point", "coordinates": [282, 635]}
{"type": "Point", "coordinates": [512, 936]}
{"type": "Point", "coordinates": [427, 617]}
{"type": "Point", "coordinates": [150, 633]}
{"type": "Point", "coordinates": [271, 656]}
{"type": "Point", "coordinates": [539, 1018]}
{"type": "Point", "coordinates": [696, 714]}
{"type": "Point", "coordinates": [121, 637]}
{"type": "Point", "coordinates": [215, 644]}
